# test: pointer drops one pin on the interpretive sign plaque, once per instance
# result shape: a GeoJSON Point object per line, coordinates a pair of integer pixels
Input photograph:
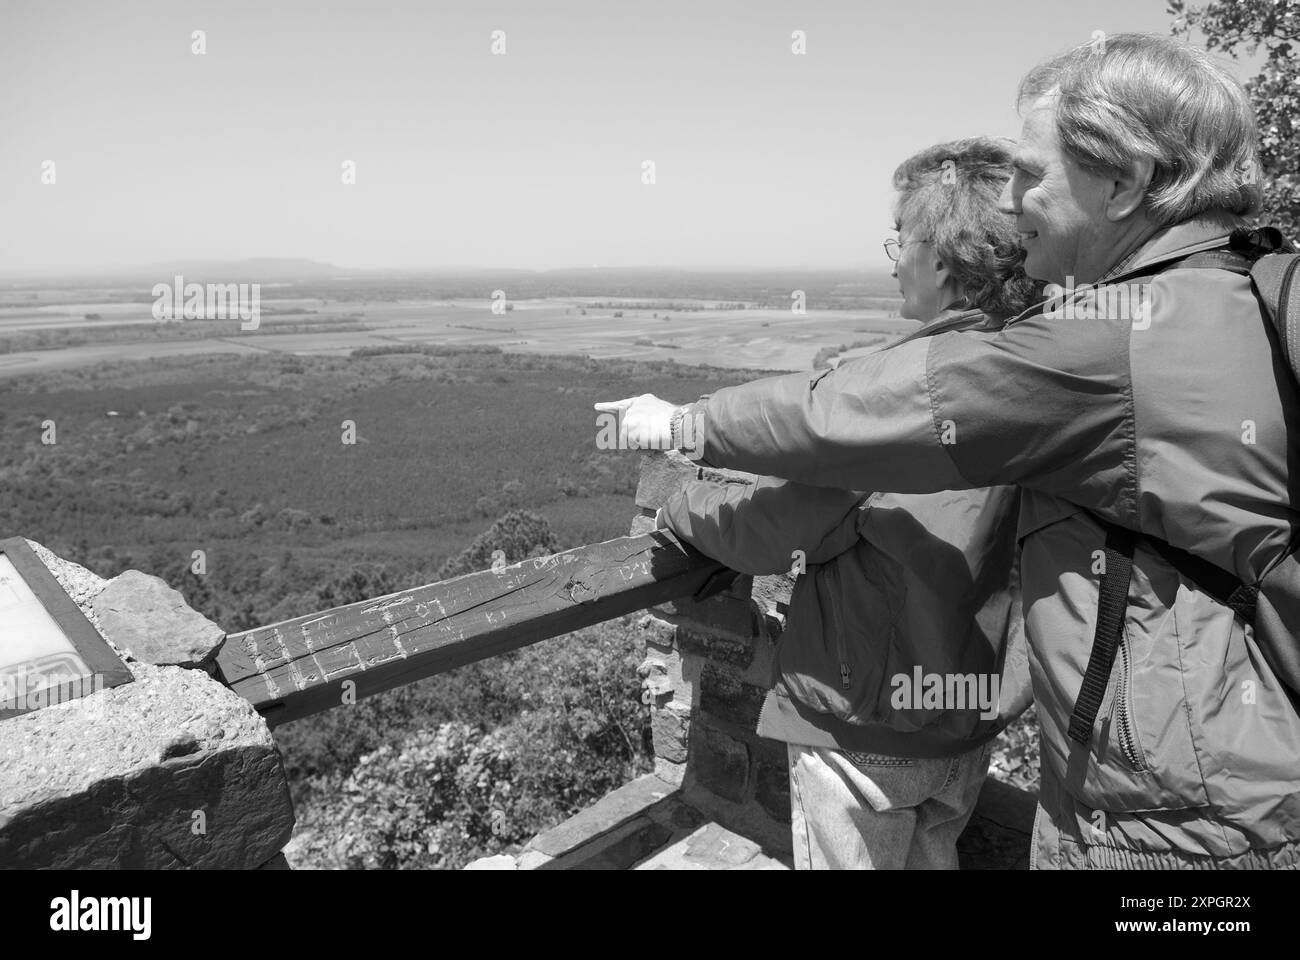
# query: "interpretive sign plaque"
{"type": "Point", "coordinates": [49, 652]}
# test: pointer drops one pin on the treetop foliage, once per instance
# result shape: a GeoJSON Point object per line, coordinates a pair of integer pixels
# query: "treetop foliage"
{"type": "Point", "coordinates": [1274, 27]}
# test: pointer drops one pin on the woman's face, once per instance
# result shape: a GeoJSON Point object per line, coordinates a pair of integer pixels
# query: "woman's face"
{"type": "Point", "coordinates": [919, 278]}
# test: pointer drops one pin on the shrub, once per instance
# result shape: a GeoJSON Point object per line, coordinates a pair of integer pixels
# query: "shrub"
{"type": "Point", "coordinates": [425, 788]}
{"type": "Point", "coordinates": [518, 534]}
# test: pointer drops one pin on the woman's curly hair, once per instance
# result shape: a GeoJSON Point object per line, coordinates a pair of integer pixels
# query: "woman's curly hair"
{"type": "Point", "coordinates": [950, 192]}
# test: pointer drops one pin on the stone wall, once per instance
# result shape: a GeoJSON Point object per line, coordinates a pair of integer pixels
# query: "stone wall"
{"type": "Point", "coordinates": [706, 672]}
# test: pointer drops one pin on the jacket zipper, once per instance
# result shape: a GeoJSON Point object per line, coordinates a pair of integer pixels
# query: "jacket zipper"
{"type": "Point", "coordinates": [841, 648]}
{"type": "Point", "coordinates": [1127, 739]}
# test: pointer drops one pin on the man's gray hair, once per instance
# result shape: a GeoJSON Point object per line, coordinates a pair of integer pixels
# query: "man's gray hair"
{"type": "Point", "coordinates": [950, 192]}
{"type": "Point", "coordinates": [1135, 96]}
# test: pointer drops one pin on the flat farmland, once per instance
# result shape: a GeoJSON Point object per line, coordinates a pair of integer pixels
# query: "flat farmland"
{"type": "Point", "coordinates": [696, 332]}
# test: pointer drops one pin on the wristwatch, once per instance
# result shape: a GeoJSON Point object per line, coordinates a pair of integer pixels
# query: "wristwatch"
{"type": "Point", "coordinates": [675, 425]}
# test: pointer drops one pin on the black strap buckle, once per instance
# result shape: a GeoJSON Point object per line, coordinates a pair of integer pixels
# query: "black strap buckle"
{"type": "Point", "coordinates": [1256, 242]}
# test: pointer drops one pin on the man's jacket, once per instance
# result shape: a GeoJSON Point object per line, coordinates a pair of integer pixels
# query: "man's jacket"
{"type": "Point", "coordinates": [904, 634]}
{"type": "Point", "coordinates": [1168, 414]}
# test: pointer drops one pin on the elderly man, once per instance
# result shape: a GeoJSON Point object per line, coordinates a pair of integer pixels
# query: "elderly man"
{"type": "Point", "coordinates": [1147, 397]}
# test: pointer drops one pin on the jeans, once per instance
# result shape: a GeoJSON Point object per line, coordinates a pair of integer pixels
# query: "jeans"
{"type": "Point", "coordinates": [869, 812]}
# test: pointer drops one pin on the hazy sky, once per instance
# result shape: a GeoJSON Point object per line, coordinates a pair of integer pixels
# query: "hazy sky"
{"type": "Point", "coordinates": [530, 159]}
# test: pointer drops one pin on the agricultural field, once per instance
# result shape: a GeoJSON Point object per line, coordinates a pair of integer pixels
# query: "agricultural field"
{"type": "Point", "coordinates": [45, 329]}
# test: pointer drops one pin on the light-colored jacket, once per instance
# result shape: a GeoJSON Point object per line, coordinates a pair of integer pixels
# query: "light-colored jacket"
{"type": "Point", "coordinates": [1169, 415]}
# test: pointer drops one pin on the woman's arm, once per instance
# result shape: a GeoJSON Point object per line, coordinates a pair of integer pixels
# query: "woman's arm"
{"type": "Point", "coordinates": [764, 527]}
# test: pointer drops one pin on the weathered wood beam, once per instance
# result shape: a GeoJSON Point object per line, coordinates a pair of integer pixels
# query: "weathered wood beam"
{"type": "Point", "coordinates": [300, 667]}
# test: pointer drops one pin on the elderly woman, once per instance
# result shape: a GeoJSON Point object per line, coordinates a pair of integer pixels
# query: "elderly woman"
{"type": "Point", "coordinates": [901, 603]}
{"type": "Point", "coordinates": [1154, 449]}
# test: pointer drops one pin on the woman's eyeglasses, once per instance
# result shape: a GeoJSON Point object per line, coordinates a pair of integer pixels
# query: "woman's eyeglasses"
{"type": "Point", "coordinates": [894, 246]}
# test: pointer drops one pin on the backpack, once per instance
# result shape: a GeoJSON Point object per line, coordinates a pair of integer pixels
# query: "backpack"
{"type": "Point", "coordinates": [1271, 603]}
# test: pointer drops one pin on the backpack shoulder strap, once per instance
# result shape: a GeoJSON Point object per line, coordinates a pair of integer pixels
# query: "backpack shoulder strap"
{"type": "Point", "coordinates": [1229, 260]}
{"type": "Point", "coordinates": [1275, 280]}
{"type": "Point", "coordinates": [1112, 604]}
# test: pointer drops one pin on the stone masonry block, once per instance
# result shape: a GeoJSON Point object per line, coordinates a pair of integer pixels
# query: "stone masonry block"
{"type": "Point", "coordinates": [144, 616]}
{"type": "Point", "coordinates": [670, 726]}
{"type": "Point", "coordinates": [659, 634]}
{"type": "Point", "coordinates": [734, 653]}
{"type": "Point", "coordinates": [726, 697]}
{"type": "Point", "coordinates": [729, 616]}
{"type": "Point", "coordinates": [171, 770]}
{"type": "Point", "coordinates": [720, 762]}
{"type": "Point", "coordinates": [669, 771]}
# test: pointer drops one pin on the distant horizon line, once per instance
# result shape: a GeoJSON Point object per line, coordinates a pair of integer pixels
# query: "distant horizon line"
{"type": "Point", "coordinates": [11, 274]}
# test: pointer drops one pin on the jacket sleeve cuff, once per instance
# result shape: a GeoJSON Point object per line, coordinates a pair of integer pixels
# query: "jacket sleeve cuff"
{"type": "Point", "coordinates": [687, 426]}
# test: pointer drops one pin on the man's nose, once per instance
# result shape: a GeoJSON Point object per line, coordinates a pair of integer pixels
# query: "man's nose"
{"type": "Point", "coordinates": [1006, 201]}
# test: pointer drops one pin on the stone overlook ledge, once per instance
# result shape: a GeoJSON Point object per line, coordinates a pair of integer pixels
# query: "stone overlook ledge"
{"type": "Point", "coordinates": [172, 770]}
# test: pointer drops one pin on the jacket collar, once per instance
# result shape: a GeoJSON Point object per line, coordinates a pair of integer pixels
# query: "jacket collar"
{"type": "Point", "coordinates": [955, 319]}
{"type": "Point", "coordinates": [951, 319]}
{"type": "Point", "coordinates": [1173, 243]}
{"type": "Point", "coordinates": [1207, 232]}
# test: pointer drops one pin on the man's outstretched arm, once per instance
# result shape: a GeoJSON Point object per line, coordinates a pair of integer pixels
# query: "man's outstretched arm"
{"type": "Point", "coordinates": [1030, 405]}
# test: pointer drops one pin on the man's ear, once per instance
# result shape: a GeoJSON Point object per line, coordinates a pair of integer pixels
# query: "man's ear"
{"type": "Point", "coordinates": [1129, 189]}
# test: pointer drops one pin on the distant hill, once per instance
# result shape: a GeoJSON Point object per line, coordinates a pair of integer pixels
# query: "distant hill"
{"type": "Point", "coordinates": [844, 288]}
{"type": "Point", "coordinates": [773, 288]}
{"type": "Point", "coordinates": [254, 270]}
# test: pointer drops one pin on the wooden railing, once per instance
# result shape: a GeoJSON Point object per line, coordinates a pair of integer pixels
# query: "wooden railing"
{"type": "Point", "coordinates": [299, 667]}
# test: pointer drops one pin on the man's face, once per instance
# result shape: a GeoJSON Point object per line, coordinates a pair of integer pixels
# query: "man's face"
{"type": "Point", "coordinates": [1058, 206]}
